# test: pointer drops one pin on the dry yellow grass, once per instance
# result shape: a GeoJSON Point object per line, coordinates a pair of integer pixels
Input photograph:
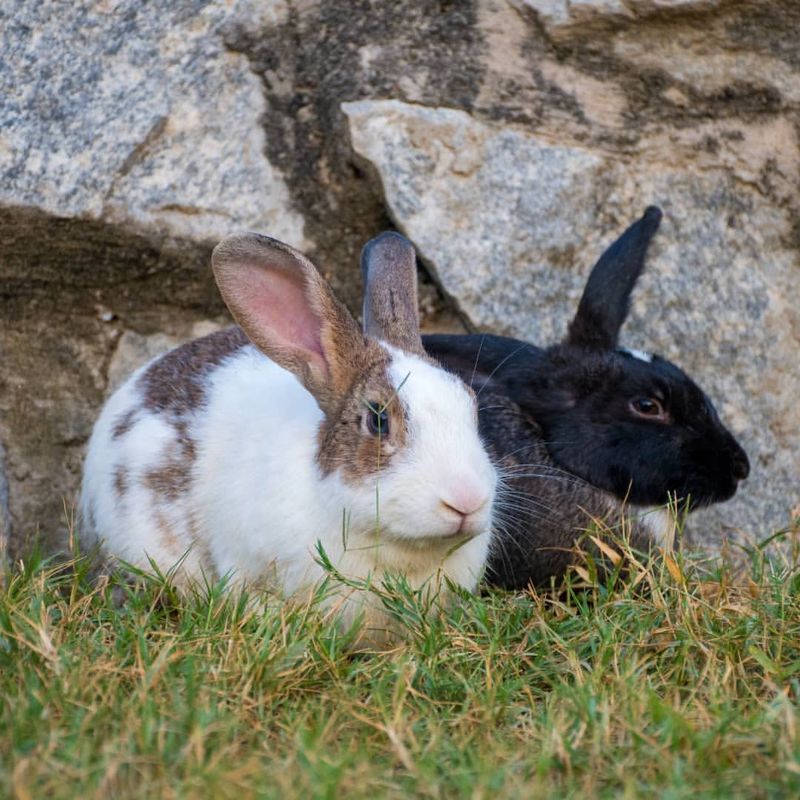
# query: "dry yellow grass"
{"type": "Point", "coordinates": [681, 679]}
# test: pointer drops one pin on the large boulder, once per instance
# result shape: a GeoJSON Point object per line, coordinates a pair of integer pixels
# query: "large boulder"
{"type": "Point", "coordinates": [124, 114]}
{"type": "Point", "coordinates": [510, 218]}
{"type": "Point", "coordinates": [133, 136]}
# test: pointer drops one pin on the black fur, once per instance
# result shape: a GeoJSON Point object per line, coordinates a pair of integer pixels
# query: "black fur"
{"type": "Point", "coordinates": [606, 299]}
{"type": "Point", "coordinates": [542, 510]}
{"type": "Point", "coordinates": [568, 409]}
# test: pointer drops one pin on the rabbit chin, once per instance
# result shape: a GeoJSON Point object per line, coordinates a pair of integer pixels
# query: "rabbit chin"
{"type": "Point", "coordinates": [429, 530]}
{"type": "Point", "coordinates": [462, 558]}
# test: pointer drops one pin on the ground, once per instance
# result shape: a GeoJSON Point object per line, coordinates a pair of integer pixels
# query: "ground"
{"type": "Point", "coordinates": [681, 678]}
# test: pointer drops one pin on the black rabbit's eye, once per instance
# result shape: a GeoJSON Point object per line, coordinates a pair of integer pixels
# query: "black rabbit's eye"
{"type": "Point", "coordinates": [377, 419]}
{"type": "Point", "coordinates": [647, 407]}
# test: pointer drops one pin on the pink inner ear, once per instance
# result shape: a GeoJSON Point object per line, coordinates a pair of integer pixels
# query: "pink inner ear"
{"type": "Point", "coordinates": [275, 311]}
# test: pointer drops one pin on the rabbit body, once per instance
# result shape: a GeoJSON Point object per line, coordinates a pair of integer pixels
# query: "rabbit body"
{"type": "Point", "coordinates": [542, 511]}
{"type": "Point", "coordinates": [217, 455]}
{"type": "Point", "coordinates": [585, 430]}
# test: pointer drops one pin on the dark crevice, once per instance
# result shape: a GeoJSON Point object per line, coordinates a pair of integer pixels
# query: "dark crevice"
{"type": "Point", "coordinates": [337, 53]}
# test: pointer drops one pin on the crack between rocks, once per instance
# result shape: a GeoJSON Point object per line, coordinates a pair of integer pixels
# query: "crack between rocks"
{"type": "Point", "coordinates": [237, 49]}
{"type": "Point", "coordinates": [136, 155]}
{"type": "Point", "coordinates": [191, 211]}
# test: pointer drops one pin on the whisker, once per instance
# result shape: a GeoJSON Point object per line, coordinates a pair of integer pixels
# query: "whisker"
{"type": "Point", "coordinates": [475, 365]}
{"type": "Point", "coordinates": [543, 474]}
{"type": "Point", "coordinates": [563, 479]}
{"type": "Point", "coordinates": [492, 373]}
{"type": "Point", "coordinates": [536, 465]}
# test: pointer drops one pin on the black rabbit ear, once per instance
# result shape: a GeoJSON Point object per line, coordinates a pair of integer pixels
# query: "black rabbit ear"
{"type": "Point", "coordinates": [606, 299]}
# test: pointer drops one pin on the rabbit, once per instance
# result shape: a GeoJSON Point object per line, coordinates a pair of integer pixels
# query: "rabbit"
{"type": "Point", "coordinates": [235, 454]}
{"type": "Point", "coordinates": [585, 429]}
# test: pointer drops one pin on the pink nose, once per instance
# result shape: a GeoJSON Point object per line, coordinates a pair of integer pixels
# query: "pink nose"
{"type": "Point", "coordinates": [465, 498]}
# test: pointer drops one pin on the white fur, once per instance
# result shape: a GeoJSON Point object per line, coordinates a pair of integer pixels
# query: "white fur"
{"type": "Point", "coordinates": [641, 355]}
{"type": "Point", "coordinates": [660, 522]}
{"type": "Point", "coordinates": [258, 503]}
{"type": "Point", "coordinates": [132, 524]}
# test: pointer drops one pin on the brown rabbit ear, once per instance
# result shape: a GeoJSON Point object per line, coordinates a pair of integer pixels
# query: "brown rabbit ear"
{"type": "Point", "coordinates": [289, 312]}
{"type": "Point", "coordinates": [389, 269]}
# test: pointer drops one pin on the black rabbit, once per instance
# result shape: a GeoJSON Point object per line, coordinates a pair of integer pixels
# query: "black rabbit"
{"type": "Point", "coordinates": [586, 429]}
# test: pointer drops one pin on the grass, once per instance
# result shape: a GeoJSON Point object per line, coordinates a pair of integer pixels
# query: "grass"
{"type": "Point", "coordinates": [681, 679]}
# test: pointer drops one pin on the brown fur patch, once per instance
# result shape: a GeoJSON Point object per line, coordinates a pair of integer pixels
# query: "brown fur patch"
{"type": "Point", "coordinates": [346, 349]}
{"type": "Point", "coordinates": [176, 381]}
{"type": "Point", "coordinates": [121, 480]}
{"type": "Point", "coordinates": [175, 385]}
{"type": "Point", "coordinates": [124, 423]}
{"type": "Point", "coordinates": [200, 547]}
{"type": "Point", "coordinates": [173, 476]}
{"type": "Point", "coordinates": [344, 444]}
{"type": "Point", "coordinates": [389, 267]}
{"type": "Point", "coordinates": [168, 536]}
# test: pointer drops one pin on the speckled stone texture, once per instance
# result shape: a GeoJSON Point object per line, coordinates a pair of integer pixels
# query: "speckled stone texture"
{"type": "Point", "coordinates": [130, 142]}
{"type": "Point", "coordinates": [512, 139]}
{"type": "Point", "coordinates": [511, 224]}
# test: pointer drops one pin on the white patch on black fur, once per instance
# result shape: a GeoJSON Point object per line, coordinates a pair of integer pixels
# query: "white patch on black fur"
{"type": "Point", "coordinates": [640, 355]}
{"type": "Point", "coordinates": [661, 523]}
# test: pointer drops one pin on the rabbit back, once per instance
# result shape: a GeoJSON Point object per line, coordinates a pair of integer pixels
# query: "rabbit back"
{"type": "Point", "coordinates": [173, 453]}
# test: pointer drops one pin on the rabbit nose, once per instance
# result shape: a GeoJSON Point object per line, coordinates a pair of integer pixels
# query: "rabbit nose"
{"type": "Point", "coordinates": [465, 500]}
{"type": "Point", "coordinates": [741, 465]}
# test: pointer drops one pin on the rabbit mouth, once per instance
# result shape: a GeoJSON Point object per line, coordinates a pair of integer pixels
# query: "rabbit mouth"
{"type": "Point", "coordinates": [449, 539]}
{"type": "Point", "coordinates": [696, 497]}
{"type": "Point", "coordinates": [462, 532]}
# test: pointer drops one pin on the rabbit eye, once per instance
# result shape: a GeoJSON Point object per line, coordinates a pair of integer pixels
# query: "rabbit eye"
{"type": "Point", "coordinates": [377, 418]}
{"type": "Point", "coordinates": [647, 407]}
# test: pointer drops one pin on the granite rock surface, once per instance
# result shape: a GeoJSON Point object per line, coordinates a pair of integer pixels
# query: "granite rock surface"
{"type": "Point", "coordinates": [512, 139]}
{"type": "Point", "coordinates": [486, 207]}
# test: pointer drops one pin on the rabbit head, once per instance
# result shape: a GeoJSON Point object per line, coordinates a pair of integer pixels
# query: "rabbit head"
{"type": "Point", "coordinates": [626, 421]}
{"type": "Point", "coordinates": [398, 440]}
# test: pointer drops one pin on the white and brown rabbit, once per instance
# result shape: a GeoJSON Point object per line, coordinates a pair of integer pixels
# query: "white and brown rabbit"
{"type": "Point", "coordinates": [584, 429]}
{"type": "Point", "coordinates": [240, 451]}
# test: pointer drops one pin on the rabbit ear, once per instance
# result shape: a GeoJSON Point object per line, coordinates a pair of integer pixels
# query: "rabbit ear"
{"type": "Point", "coordinates": [389, 269]}
{"type": "Point", "coordinates": [606, 299]}
{"type": "Point", "coordinates": [289, 312]}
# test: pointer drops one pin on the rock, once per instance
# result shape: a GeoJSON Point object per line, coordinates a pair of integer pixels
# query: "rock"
{"type": "Point", "coordinates": [563, 18]}
{"type": "Point", "coordinates": [511, 222]}
{"type": "Point", "coordinates": [133, 135]}
{"type": "Point", "coordinates": [5, 513]}
{"type": "Point", "coordinates": [135, 108]}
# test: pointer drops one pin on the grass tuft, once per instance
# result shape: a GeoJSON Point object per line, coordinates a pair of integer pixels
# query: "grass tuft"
{"type": "Point", "coordinates": [677, 678]}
